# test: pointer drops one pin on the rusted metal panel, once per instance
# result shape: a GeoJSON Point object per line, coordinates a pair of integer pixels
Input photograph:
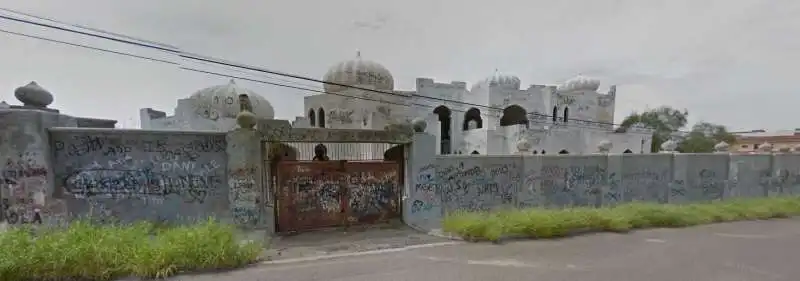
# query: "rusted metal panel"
{"type": "Point", "coordinates": [313, 195]}
{"type": "Point", "coordinates": [373, 191]}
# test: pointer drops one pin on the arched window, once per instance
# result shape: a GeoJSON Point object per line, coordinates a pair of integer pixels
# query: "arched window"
{"type": "Point", "coordinates": [444, 125]}
{"type": "Point", "coordinates": [472, 120]}
{"type": "Point", "coordinates": [563, 151]}
{"type": "Point", "coordinates": [544, 152]}
{"type": "Point", "coordinates": [555, 113]}
{"type": "Point", "coordinates": [535, 152]}
{"type": "Point", "coordinates": [627, 151]}
{"type": "Point", "coordinates": [566, 114]}
{"type": "Point", "coordinates": [514, 115]}
{"type": "Point", "coordinates": [321, 117]}
{"type": "Point", "coordinates": [474, 152]}
{"type": "Point", "coordinates": [312, 117]}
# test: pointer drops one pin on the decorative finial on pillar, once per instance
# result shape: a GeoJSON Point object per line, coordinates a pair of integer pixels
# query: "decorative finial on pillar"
{"type": "Point", "coordinates": [523, 146]}
{"type": "Point", "coordinates": [33, 95]}
{"type": "Point", "coordinates": [245, 119]}
{"type": "Point", "coordinates": [419, 125]}
{"type": "Point", "coordinates": [604, 146]}
{"type": "Point", "coordinates": [721, 147]}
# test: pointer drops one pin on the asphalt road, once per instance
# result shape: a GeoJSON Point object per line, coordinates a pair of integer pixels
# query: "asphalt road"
{"type": "Point", "coordinates": [758, 250]}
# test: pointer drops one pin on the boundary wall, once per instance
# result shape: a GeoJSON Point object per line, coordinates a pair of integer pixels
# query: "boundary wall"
{"type": "Point", "coordinates": [441, 184]}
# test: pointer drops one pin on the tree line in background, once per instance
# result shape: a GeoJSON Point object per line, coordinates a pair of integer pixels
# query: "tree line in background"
{"type": "Point", "coordinates": [666, 121]}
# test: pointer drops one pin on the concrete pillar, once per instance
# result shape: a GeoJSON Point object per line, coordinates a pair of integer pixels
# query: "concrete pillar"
{"type": "Point", "coordinates": [248, 191]}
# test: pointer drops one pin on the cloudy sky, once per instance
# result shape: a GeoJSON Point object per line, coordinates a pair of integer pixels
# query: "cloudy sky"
{"type": "Point", "coordinates": [726, 61]}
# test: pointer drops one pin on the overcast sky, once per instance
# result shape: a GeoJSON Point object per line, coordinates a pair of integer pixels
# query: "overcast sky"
{"type": "Point", "coordinates": [732, 62]}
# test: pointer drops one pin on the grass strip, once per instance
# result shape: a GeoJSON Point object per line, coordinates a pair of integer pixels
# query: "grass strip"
{"type": "Point", "coordinates": [86, 251]}
{"type": "Point", "coordinates": [539, 223]}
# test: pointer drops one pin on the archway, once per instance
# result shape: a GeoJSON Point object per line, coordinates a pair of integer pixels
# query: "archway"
{"type": "Point", "coordinates": [566, 114]}
{"type": "Point", "coordinates": [445, 119]}
{"type": "Point", "coordinates": [514, 115]}
{"type": "Point", "coordinates": [472, 115]}
{"type": "Point", "coordinates": [321, 116]}
{"type": "Point", "coordinates": [475, 152]}
{"type": "Point", "coordinates": [563, 151]}
{"type": "Point", "coordinates": [627, 151]}
{"type": "Point", "coordinates": [312, 117]}
{"type": "Point", "coordinates": [555, 114]}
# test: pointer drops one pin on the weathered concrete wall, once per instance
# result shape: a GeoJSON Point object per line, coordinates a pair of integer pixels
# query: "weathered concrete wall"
{"type": "Point", "coordinates": [25, 176]}
{"type": "Point", "coordinates": [127, 175]}
{"type": "Point", "coordinates": [441, 184]}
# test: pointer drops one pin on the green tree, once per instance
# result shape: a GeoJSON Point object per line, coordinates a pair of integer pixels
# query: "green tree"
{"type": "Point", "coordinates": [664, 120]}
{"type": "Point", "coordinates": [704, 136]}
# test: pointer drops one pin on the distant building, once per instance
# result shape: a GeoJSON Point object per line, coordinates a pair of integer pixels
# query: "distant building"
{"type": "Point", "coordinates": [752, 141]}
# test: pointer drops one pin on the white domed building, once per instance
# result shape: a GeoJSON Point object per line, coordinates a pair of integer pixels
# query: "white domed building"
{"type": "Point", "coordinates": [209, 109]}
{"type": "Point", "coordinates": [492, 117]}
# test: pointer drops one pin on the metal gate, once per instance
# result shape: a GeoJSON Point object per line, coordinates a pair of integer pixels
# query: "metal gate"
{"type": "Point", "coordinates": [318, 194]}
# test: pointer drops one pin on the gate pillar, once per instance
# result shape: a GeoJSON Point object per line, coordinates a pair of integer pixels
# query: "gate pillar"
{"type": "Point", "coordinates": [247, 193]}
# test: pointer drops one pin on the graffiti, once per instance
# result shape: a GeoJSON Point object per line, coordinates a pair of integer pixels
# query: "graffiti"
{"type": "Point", "coordinates": [472, 187]}
{"type": "Point", "coordinates": [164, 149]}
{"type": "Point", "coordinates": [98, 171]}
{"type": "Point", "coordinates": [329, 193]}
{"type": "Point", "coordinates": [23, 185]}
{"type": "Point", "coordinates": [244, 196]}
{"type": "Point", "coordinates": [343, 116]}
{"type": "Point", "coordinates": [643, 184]}
{"type": "Point", "coordinates": [425, 190]}
{"type": "Point", "coordinates": [142, 184]}
{"type": "Point", "coordinates": [574, 185]}
{"type": "Point", "coordinates": [711, 186]}
{"type": "Point", "coordinates": [371, 193]}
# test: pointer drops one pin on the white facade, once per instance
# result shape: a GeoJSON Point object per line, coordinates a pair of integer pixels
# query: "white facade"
{"type": "Point", "coordinates": [210, 109]}
{"type": "Point", "coordinates": [490, 118]}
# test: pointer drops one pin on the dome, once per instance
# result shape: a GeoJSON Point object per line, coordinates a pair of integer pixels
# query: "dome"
{"type": "Point", "coordinates": [502, 80]}
{"type": "Point", "coordinates": [360, 73]}
{"type": "Point", "coordinates": [223, 101]}
{"type": "Point", "coordinates": [579, 83]}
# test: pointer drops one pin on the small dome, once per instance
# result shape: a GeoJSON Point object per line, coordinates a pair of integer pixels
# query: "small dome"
{"type": "Point", "coordinates": [505, 81]}
{"type": "Point", "coordinates": [579, 83]}
{"type": "Point", "coordinates": [223, 101]}
{"type": "Point", "coordinates": [358, 72]}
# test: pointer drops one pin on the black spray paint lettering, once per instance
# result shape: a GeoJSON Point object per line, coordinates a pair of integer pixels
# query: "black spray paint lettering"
{"type": "Point", "coordinates": [139, 184]}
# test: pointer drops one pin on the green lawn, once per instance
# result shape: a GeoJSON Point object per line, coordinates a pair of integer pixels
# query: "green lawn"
{"type": "Point", "coordinates": [556, 223]}
{"type": "Point", "coordinates": [84, 251]}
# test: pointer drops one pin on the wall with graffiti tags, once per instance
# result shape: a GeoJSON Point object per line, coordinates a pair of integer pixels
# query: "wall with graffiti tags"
{"type": "Point", "coordinates": [25, 183]}
{"type": "Point", "coordinates": [442, 184]}
{"type": "Point", "coordinates": [126, 175]}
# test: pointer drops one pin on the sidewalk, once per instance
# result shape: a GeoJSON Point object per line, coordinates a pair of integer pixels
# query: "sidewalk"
{"type": "Point", "coordinates": [354, 239]}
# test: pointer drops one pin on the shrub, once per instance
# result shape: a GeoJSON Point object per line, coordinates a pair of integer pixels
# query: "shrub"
{"type": "Point", "coordinates": [87, 251]}
{"type": "Point", "coordinates": [555, 223]}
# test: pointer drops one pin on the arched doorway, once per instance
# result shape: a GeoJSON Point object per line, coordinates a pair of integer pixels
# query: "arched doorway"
{"type": "Point", "coordinates": [472, 120]}
{"type": "Point", "coordinates": [563, 151]}
{"type": "Point", "coordinates": [445, 120]}
{"type": "Point", "coordinates": [514, 115]}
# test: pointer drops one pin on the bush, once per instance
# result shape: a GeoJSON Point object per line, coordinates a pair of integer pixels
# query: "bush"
{"type": "Point", "coordinates": [556, 223]}
{"type": "Point", "coordinates": [86, 251]}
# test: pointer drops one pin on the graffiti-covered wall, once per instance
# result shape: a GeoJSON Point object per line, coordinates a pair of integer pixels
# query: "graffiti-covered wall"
{"type": "Point", "coordinates": [442, 184]}
{"type": "Point", "coordinates": [127, 175]}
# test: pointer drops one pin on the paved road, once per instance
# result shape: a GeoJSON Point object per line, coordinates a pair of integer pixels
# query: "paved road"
{"type": "Point", "coordinates": [759, 251]}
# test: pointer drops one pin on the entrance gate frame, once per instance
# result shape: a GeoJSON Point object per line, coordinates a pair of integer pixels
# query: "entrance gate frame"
{"type": "Point", "coordinates": [274, 135]}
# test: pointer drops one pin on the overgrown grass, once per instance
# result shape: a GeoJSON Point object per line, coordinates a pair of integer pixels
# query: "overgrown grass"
{"type": "Point", "coordinates": [86, 251]}
{"type": "Point", "coordinates": [556, 223]}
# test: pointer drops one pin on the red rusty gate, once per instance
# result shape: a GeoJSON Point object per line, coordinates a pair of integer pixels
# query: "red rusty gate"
{"type": "Point", "coordinates": [319, 194]}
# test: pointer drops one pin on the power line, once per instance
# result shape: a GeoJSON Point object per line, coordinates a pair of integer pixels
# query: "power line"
{"type": "Point", "coordinates": [201, 58]}
{"type": "Point", "coordinates": [208, 59]}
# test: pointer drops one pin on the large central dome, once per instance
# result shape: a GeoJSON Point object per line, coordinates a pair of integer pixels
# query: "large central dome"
{"type": "Point", "coordinates": [360, 73]}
